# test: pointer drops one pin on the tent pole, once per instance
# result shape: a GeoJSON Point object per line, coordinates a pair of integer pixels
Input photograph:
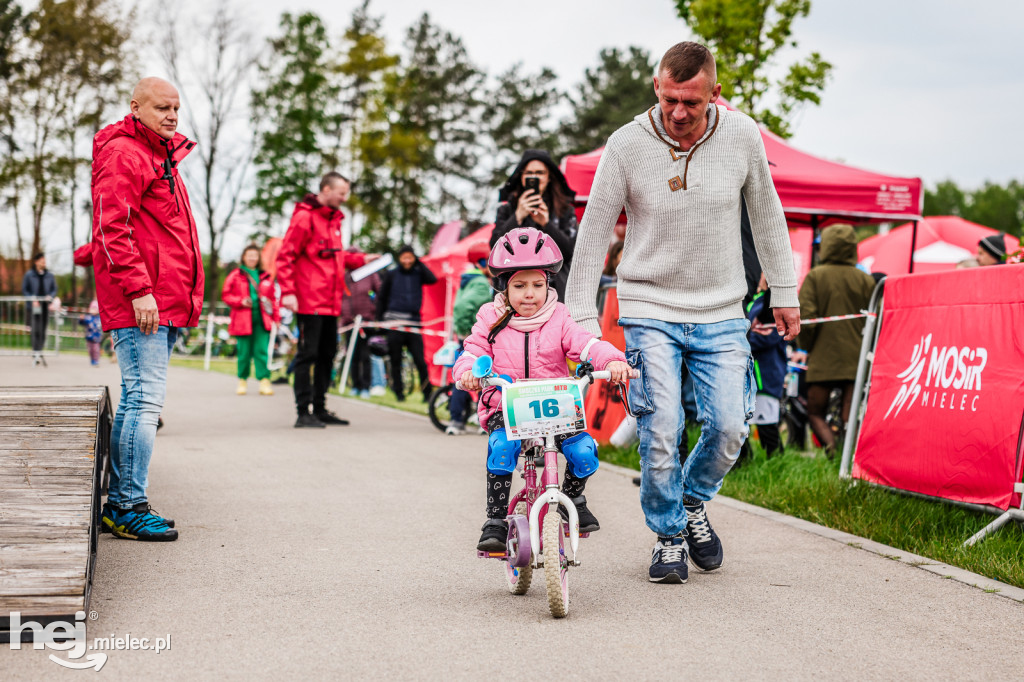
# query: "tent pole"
{"type": "Point", "coordinates": [913, 246]}
{"type": "Point", "coordinates": [815, 244]}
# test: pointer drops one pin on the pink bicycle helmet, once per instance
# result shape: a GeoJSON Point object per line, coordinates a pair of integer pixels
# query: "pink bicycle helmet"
{"type": "Point", "coordinates": [523, 248]}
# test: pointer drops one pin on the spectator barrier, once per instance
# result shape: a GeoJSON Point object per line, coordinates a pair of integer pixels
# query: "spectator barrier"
{"type": "Point", "coordinates": [16, 330]}
{"type": "Point", "coordinates": [941, 382]}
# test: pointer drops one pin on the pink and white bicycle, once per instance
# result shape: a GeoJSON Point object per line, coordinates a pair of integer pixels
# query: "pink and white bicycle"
{"type": "Point", "coordinates": [535, 412]}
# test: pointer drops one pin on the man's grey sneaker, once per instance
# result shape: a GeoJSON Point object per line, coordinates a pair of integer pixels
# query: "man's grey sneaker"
{"type": "Point", "coordinates": [705, 547]}
{"type": "Point", "coordinates": [456, 429]}
{"type": "Point", "coordinates": [668, 561]}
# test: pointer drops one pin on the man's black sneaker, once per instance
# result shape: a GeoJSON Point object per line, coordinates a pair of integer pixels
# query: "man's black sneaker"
{"type": "Point", "coordinates": [308, 421]}
{"type": "Point", "coordinates": [494, 537]}
{"type": "Point", "coordinates": [705, 547]}
{"type": "Point", "coordinates": [328, 417]}
{"type": "Point", "coordinates": [636, 481]}
{"type": "Point", "coordinates": [668, 561]}
{"type": "Point", "coordinates": [588, 522]}
{"type": "Point", "coordinates": [107, 516]}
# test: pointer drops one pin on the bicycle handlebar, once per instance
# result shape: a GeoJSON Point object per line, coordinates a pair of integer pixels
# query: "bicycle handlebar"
{"type": "Point", "coordinates": [498, 381]}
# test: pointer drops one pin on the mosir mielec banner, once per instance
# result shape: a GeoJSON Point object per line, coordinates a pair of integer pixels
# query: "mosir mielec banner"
{"type": "Point", "coordinates": [946, 402]}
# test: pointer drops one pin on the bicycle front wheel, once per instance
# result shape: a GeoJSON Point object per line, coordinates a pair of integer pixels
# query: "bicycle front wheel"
{"type": "Point", "coordinates": [556, 565]}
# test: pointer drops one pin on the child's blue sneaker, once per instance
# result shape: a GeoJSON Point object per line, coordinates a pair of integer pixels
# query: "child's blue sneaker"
{"type": "Point", "coordinates": [138, 523]}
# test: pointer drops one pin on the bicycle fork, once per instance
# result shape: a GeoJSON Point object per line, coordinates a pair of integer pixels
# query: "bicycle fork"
{"type": "Point", "coordinates": [551, 497]}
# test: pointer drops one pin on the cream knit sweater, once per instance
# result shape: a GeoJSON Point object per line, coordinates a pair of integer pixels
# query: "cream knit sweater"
{"type": "Point", "coordinates": [682, 260]}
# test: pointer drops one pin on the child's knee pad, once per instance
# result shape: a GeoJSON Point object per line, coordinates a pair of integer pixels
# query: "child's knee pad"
{"type": "Point", "coordinates": [502, 453]}
{"type": "Point", "coordinates": [580, 453]}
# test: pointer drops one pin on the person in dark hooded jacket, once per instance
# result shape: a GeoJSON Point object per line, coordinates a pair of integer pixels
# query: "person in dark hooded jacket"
{"type": "Point", "coordinates": [400, 300]}
{"type": "Point", "coordinates": [834, 287]}
{"type": "Point", "coordinates": [550, 209]}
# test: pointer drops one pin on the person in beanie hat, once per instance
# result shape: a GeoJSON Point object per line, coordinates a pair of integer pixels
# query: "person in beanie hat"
{"type": "Point", "coordinates": [992, 250]}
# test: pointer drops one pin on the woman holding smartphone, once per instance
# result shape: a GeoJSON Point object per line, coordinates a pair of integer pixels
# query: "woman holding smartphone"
{"type": "Point", "coordinates": [537, 195]}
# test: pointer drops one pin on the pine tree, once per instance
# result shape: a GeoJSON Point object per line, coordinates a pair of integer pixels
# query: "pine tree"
{"type": "Point", "coordinates": [296, 116]}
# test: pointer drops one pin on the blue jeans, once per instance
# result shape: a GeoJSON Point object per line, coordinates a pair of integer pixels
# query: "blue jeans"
{"type": "Point", "coordinates": [143, 360]}
{"type": "Point", "coordinates": [378, 377]}
{"type": "Point", "coordinates": [717, 357]}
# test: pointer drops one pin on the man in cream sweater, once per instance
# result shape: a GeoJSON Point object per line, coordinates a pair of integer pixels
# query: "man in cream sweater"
{"type": "Point", "coordinates": [680, 170]}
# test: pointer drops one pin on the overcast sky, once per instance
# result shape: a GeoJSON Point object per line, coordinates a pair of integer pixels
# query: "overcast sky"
{"type": "Point", "coordinates": [933, 89]}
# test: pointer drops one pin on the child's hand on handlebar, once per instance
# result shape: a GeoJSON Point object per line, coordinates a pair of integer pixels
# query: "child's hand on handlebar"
{"type": "Point", "coordinates": [469, 382]}
{"type": "Point", "coordinates": [621, 371]}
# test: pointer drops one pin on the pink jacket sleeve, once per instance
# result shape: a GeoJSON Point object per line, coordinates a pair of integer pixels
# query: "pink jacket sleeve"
{"type": "Point", "coordinates": [575, 340]}
{"type": "Point", "coordinates": [475, 344]}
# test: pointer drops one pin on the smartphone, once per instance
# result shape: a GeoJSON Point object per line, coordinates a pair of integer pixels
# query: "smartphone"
{"type": "Point", "coordinates": [532, 183]}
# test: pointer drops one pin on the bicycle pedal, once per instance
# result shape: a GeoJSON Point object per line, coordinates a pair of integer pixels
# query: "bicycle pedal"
{"type": "Point", "coordinates": [492, 555]}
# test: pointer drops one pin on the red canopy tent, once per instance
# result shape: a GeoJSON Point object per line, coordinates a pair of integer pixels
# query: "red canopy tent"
{"type": "Point", "coordinates": [942, 242]}
{"type": "Point", "coordinates": [814, 192]}
{"type": "Point", "coordinates": [448, 263]}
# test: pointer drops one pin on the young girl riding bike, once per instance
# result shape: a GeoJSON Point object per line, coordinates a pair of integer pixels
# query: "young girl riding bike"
{"type": "Point", "coordinates": [529, 335]}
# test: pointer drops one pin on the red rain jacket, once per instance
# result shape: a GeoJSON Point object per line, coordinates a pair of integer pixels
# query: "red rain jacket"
{"type": "Point", "coordinates": [144, 238]}
{"type": "Point", "coordinates": [311, 263]}
{"type": "Point", "coordinates": [236, 290]}
{"type": "Point", "coordinates": [83, 255]}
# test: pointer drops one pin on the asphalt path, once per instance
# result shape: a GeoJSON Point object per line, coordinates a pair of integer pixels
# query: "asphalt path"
{"type": "Point", "coordinates": [350, 552]}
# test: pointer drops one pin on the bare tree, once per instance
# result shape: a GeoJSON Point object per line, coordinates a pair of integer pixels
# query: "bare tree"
{"type": "Point", "coordinates": [213, 76]}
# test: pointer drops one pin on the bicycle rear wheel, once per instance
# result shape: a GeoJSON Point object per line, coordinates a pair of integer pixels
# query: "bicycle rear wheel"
{"type": "Point", "coordinates": [519, 579]}
{"type": "Point", "coordinates": [440, 415]}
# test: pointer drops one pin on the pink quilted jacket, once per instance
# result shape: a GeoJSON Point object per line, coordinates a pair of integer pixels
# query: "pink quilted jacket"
{"type": "Point", "coordinates": [539, 354]}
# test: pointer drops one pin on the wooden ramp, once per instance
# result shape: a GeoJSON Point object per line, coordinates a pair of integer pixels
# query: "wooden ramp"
{"type": "Point", "coordinates": [54, 443]}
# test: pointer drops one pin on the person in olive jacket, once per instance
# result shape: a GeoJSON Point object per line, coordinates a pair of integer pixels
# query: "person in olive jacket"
{"type": "Point", "coordinates": [550, 209]}
{"type": "Point", "coordinates": [834, 287]}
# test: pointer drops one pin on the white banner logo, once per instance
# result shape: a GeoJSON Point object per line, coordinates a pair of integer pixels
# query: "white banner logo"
{"type": "Point", "coordinates": [952, 378]}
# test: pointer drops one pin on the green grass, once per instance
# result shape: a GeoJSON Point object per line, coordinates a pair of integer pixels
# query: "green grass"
{"type": "Point", "coordinates": [220, 365]}
{"type": "Point", "coordinates": [412, 403]}
{"type": "Point", "coordinates": [810, 488]}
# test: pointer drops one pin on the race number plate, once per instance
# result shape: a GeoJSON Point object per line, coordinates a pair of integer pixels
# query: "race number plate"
{"type": "Point", "coordinates": [542, 408]}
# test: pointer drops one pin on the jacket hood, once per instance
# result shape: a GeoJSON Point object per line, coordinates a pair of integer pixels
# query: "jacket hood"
{"type": "Point", "coordinates": [515, 181]}
{"type": "Point", "coordinates": [310, 203]}
{"type": "Point", "coordinates": [650, 121]}
{"type": "Point", "coordinates": [131, 127]}
{"type": "Point", "coordinates": [839, 245]}
{"type": "Point", "coordinates": [468, 277]}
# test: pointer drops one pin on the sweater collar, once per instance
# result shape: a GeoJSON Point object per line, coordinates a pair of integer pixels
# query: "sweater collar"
{"type": "Point", "coordinates": [652, 122]}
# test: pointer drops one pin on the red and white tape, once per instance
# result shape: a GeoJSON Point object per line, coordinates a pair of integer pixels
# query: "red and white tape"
{"type": "Point", "coordinates": [837, 318]}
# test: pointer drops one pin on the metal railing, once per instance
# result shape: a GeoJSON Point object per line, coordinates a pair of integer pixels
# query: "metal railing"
{"type": "Point", "coordinates": [62, 332]}
{"type": "Point", "coordinates": [20, 316]}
